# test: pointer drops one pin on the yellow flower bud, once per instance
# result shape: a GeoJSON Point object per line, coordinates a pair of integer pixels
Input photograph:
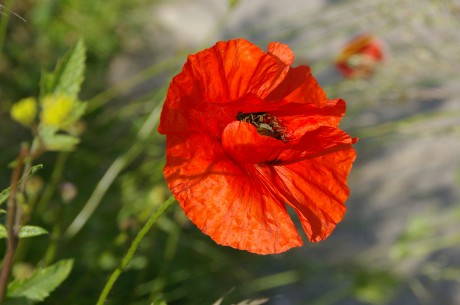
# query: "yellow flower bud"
{"type": "Point", "coordinates": [24, 111]}
{"type": "Point", "coordinates": [56, 110]}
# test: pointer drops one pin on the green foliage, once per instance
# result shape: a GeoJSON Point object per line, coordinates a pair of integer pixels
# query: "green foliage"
{"type": "Point", "coordinates": [33, 169]}
{"type": "Point", "coordinates": [159, 301]}
{"type": "Point", "coordinates": [42, 282]}
{"type": "Point", "coordinates": [4, 194]}
{"type": "Point", "coordinates": [64, 82]}
{"type": "Point", "coordinates": [57, 142]}
{"type": "Point", "coordinates": [67, 77]}
{"type": "Point", "coordinates": [25, 231]}
{"type": "Point", "coordinates": [375, 287]}
{"type": "Point", "coordinates": [31, 231]}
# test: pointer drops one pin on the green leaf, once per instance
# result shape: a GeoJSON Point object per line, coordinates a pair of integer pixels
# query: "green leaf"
{"type": "Point", "coordinates": [24, 232]}
{"type": "Point", "coordinates": [42, 282]}
{"type": "Point", "coordinates": [31, 231]}
{"type": "Point", "coordinates": [47, 83]}
{"type": "Point", "coordinates": [4, 195]}
{"type": "Point", "coordinates": [77, 112]}
{"type": "Point", "coordinates": [34, 169]}
{"type": "Point", "coordinates": [57, 142]}
{"type": "Point", "coordinates": [61, 142]}
{"type": "Point", "coordinates": [17, 301]}
{"type": "Point", "coordinates": [68, 75]}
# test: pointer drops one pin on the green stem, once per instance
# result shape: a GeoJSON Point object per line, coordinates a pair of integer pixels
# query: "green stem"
{"type": "Point", "coordinates": [104, 97]}
{"type": "Point", "coordinates": [56, 175]}
{"type": "Point", "coordinates": [132, 250]}
{"type": "Point", "coordinates": [112, 173]}
{"type": "Point", "coordinates": [101, 188]}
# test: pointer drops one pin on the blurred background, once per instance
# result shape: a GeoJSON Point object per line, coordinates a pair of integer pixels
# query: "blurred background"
{"type": "Point", "coordinates": [399, 241]}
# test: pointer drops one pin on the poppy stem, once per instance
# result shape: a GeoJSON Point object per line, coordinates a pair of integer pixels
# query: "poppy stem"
{"type": "Point", "coordinates": [132, 250]}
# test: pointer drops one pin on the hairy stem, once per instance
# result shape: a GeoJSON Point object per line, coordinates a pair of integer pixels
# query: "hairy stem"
{"type": "Point", "coordinates": [132, 250]}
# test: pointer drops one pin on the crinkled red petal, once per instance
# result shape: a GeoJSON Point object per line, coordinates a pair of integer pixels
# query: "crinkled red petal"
{"type": "Point", "coordinates": [224, 199]}
{"type": "Point", "coordinates": [299, 86]}
{"type": "Point", "coordinates": [244, 144]}
{"type": "Point", "coordinates": [316, 188]}
{"type": "Point", "coordinates": [223, 73]}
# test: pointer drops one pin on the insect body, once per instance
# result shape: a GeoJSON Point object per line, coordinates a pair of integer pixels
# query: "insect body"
{"type": "Point", "coordinates": [266, 124]}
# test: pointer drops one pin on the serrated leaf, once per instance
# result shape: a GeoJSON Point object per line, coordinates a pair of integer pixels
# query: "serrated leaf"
{"type": "Point", "coordinates": [2, 211]}
{"type": "Point", "coordinates": [68, 75]}
{"type": "Point", "coordinates": [42, 282]}
{"type": "Point", "coordinates": [31, 231]}
{"type": "Point", "coordinates": [77, 112]}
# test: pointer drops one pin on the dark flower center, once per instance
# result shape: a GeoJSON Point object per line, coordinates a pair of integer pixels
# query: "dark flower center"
{"type": "Point", "coordinates": [265, 123]}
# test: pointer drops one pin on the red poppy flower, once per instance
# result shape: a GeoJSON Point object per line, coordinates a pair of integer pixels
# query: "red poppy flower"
{"type": "Point", "coordinates": [360, 56]}
{"type": "Point", "coordinates": [247, 134]}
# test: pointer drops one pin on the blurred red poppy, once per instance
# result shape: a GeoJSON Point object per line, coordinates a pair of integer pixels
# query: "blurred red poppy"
{"type": "Point", "coordinates": [360, 56]}
{"type": "Point", "coordinates": [247, 134]}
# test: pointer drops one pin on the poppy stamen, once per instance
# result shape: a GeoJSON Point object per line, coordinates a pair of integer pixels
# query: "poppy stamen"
{"type": "Point", "coordinates": [265, 123]}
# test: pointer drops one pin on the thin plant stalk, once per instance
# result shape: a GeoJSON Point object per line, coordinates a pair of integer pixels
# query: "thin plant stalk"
{"type": "Point", "coordinates": [104, 97]}
{"type": "Point", "coordinates": [132, 250]}
{"type": "Point", "coordinates": [12, 225]}
{"type": "Point", "coordinates": [112, 172]}
{"type": "Point", "coordinates": [58, 170]}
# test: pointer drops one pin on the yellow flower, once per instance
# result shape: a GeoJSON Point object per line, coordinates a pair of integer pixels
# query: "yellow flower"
{"type": "Point", "coordinates": [56, 110]}
{"type": "Point", "coordinates": [24, 111]}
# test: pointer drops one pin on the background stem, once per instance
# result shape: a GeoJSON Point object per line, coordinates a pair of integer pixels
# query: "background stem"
{"type": "Point", "coordinates": [132, 250]}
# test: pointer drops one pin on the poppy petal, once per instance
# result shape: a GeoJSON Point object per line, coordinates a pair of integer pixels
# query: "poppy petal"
{"type": "Point", "coordinates": [224, 200]}
{"type": "Point", "coordinates": [223, 73]}
{"type": "Point", "coordinates": [245, 145]}
{"type": "Point", "coordinates": [282, 52]}
{"type": "Point", "coordinates": [299, 86]}
{"type": "Point", "coordinates": [314, 143]}
{"type": "Point", "coordinates": [316, 188]}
